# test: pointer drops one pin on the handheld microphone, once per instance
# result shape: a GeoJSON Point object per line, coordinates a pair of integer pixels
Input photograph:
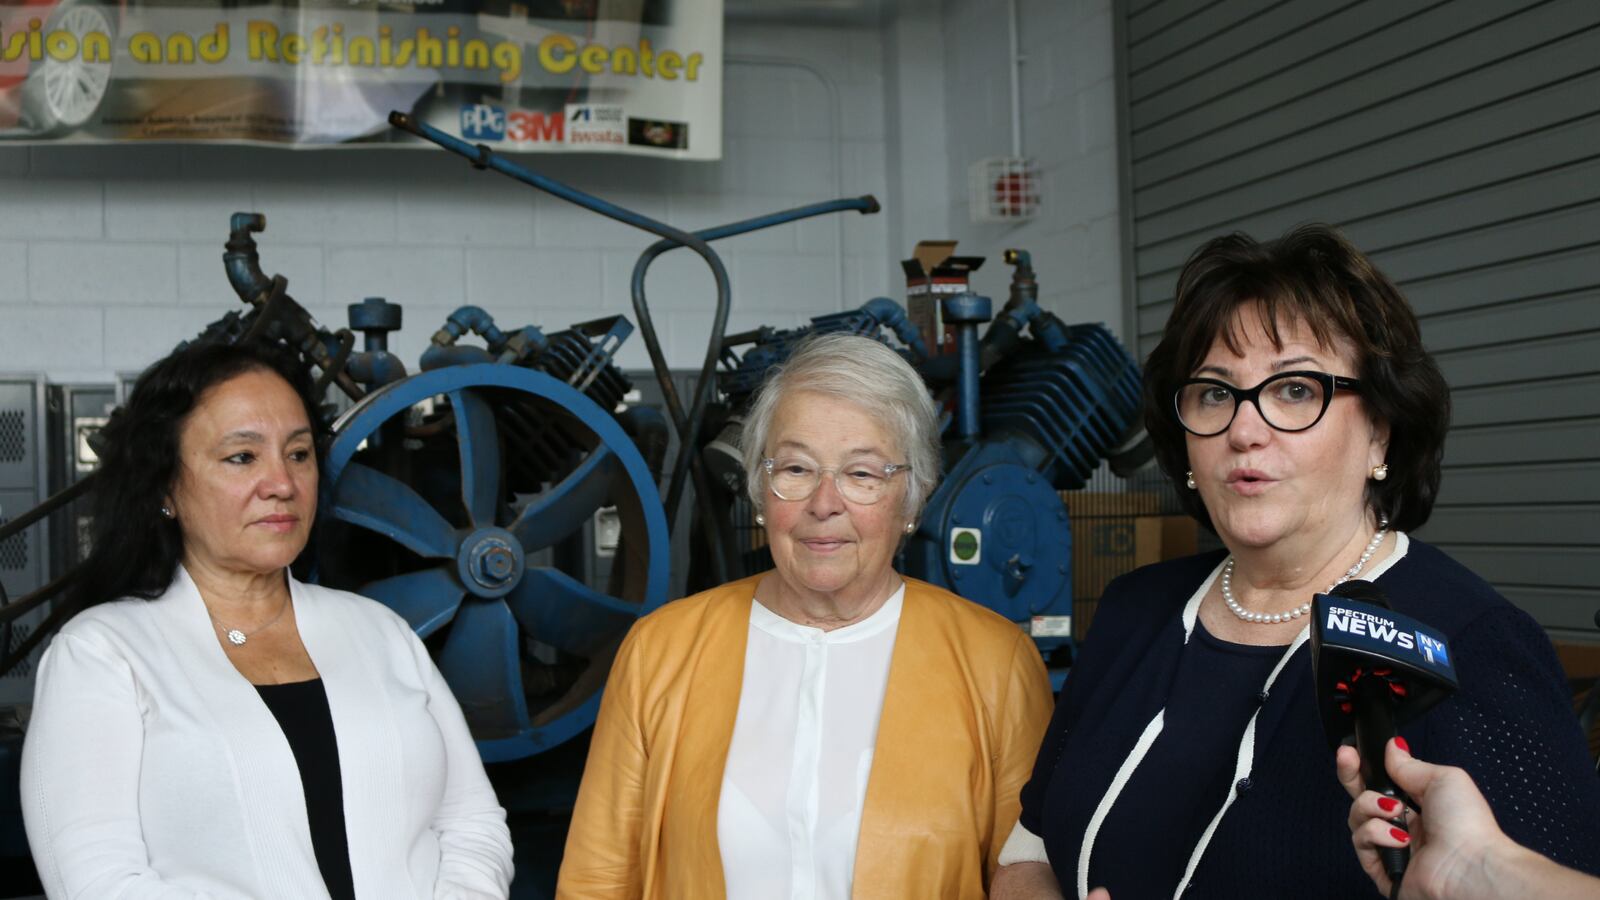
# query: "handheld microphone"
{"type": "Point", "coordinates": [1374, 670]}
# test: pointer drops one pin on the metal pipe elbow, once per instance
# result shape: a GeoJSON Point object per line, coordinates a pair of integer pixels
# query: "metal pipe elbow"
{"type": "Point", "coordinates": [240, 259]}
{"type": "Point", "coordinates": [892, 315]}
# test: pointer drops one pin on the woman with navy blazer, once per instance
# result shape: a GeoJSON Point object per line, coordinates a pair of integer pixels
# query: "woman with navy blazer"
{"type": "Point", "coordinates": [1292, 403]}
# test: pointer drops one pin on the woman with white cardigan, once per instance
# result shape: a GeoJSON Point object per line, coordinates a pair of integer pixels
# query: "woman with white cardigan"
{"type": "Point", "coordinates": [209, 727]}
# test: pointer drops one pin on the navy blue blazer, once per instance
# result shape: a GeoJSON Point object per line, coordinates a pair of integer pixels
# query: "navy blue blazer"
{"type": "Point", "coordinates": [1511, 726]}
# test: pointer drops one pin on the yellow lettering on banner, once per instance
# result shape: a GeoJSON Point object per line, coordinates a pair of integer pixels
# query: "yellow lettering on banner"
{"type": "Point", "coordinates": [319, 44]}
{"type": "Point", "coordinates": [336, 50]}
{"type": "Point", "coordinates": [691, 72]}
{"type": "Point", "coordinates": [452, 47]}
{"type": "Point", "coordinates": [61, 45]}
{"type": "Point", "coordinates": [361, 51]}
{"type": "Point", "coordinates": [145, 47]}
{"type": "Point", "coordinates": [214, 46]}
{"type": "Point", "coordinates": [14, 48]}
{"type": "Point", "coordinates": [180, 48]}
{"type": "Point", "coordinates": [293, 46]}
{"type": "Point", "coordinates": [385, 46]}
{"type": "Point", "coordinates": [508, 59]}
{"type": "Point", "coordinates": [592, 59]}
{"type": "Point", "coordinates": [263, 40]}
{"type": "Point", "coordinates": [667, 64]}
{"type": "Point", "coordinates": [476, 53]}
{"type": "Point", "coordinates": [644, 58]}
{"type": "Point", "coordinates": [430, 50]}
{"type": "Point", "coordinates": [97, 47]}
{"type": "Point", "coordinates": [35, 49]}
{"type": "Point", "coordinates": [624, 61]}
{"type": "Point", "coordinates": [547, 54]}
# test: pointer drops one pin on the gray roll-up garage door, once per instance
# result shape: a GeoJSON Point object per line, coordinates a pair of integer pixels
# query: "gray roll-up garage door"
{"type": "Point", "coordinates": [1459, 144]}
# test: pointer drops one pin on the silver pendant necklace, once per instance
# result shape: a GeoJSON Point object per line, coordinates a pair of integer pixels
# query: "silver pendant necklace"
{"type": "Point", "coordinates": [1302, 609]}
{"type": "Point", "coordinates": [238, 637]}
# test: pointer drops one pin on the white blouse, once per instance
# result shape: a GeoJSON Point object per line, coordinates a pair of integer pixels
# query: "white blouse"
{"type": "Point", "coordinates": [152, 770]}
{"type": "Point", "coordinates": [797, 768]}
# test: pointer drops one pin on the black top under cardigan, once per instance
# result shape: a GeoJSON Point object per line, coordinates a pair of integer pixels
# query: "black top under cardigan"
{"type": "Point", "coordinates": [301, 708]}
{"type": "Point", "coordinates": [1510, 726]}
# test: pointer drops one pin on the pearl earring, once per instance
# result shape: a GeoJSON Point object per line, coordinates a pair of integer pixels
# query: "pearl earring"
{"type": "Point", "coordinates": [166, 511]}
{"type": "Point", "coordinates": [911, 528]}
{"type": "Point", "coordinates": [1190, 481]}
{"type": "Point", "coordinates": [1380, 471]}
{"type": "Point", "coordinates": [760, 519]}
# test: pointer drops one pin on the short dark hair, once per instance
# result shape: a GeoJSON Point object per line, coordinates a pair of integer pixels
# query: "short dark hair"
{"type": "Point", "coordinates": [1311, 275]}
{"type": "Point", "coordinates": [134, 549]}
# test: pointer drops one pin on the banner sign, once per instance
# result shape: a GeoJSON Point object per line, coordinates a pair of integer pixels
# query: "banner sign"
{"type": "Point", "coordinates": [617, 76]}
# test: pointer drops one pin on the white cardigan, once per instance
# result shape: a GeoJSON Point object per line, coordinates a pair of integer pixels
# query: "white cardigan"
{"type": "Point", "coordinates": [152, 768]}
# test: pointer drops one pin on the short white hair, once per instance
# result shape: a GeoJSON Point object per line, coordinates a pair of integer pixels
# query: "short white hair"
{"type": "Point", "coordinates": [867, 374]}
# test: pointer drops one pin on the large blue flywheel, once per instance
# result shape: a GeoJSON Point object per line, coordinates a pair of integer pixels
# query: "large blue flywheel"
{"type": "Point", "coordinates": [455, 497]}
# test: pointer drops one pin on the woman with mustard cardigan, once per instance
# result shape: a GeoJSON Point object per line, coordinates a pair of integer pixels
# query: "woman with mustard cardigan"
{"type": "Point", "coordinates": [826, 729]}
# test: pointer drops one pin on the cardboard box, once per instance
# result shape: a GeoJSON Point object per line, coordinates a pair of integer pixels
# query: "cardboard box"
{"type": "Point", "coordinates": [1108, 504]}
{"type": "Point", "coordinates": [932, 272]}
{"type": "Point", "coordinates": [1104, 548]}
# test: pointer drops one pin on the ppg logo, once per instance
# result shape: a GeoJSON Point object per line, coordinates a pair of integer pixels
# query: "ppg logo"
{"type": "Point", "coordinates": [483, 122]}
{"type": "Point", "coordinates": [1433, 650]}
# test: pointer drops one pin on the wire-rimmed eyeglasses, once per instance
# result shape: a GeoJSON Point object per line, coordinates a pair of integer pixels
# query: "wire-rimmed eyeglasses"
{"type": "Point", "coordinates": [862, 481]}
{"type": "Point", "coordinates": [1288, 401]}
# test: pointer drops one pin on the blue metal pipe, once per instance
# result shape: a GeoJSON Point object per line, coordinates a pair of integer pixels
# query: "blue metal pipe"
{"type": "Point", "coordinates": [241, 261]}
{"type": "Point", "coordinates": [641, 309]}
{"type": "Point", "coordinates": [892, 315]}
{"type": "Point", "coordinates": [476, 320]}
{"type": "Point", "coordinates": [688, 424]}
{"type": "Point", "coordinates": [376, 367]}
{"type": "Point", "coordinates": [484, 158]}
{"type": "Point", "coordinates": [441, 355]}
{"type": "Point", "coordinates": [965, 311]}
{"type": "Point", "coordinates": [967, 404]}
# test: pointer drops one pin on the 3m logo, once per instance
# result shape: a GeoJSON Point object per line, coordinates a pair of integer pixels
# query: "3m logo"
{"type": "Point", "coordinates": [535, 127]}
{"type": "Point", "coordinates": [482, 122]}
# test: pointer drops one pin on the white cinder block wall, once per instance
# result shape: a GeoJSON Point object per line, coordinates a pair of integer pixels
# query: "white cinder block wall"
{"type": "Point", "coordinates": [1068, 96]}
{"type": "Point", "coordinates": [110, 255]}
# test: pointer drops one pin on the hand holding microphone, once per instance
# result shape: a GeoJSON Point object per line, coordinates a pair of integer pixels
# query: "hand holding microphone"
{"type": "Point", "coordinates": [1374, 670]}
{"type": "Point", "coordinates": [1460, 853]}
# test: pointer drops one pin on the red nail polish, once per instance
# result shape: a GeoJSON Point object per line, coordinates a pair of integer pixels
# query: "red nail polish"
{"type": "Point", "coordinates": [1388, 804]}
{"type": "Point", "coordinates": [1400, 836]}
{"type": "Point", "coordinates": [1401, 743]}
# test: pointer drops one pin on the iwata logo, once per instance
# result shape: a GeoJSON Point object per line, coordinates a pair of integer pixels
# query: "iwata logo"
{"type": "Point", "coordinates": [594, 124]}
{"type": "Point", "coordinates": [482, 122]}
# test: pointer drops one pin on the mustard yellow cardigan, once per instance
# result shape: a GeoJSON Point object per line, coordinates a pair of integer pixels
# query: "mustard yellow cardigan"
{"type": "Point", "coordinates": [963, 714]}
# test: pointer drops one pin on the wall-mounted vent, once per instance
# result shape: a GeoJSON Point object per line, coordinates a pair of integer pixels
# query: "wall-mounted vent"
{"type": "Point", "coordinates": [13, 436]}
{"type": "Point", "coordinates": [14, 550]}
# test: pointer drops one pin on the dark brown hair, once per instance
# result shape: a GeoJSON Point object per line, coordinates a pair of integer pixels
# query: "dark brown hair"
{"type": "Point", "coordinates": [135, 550]}
{"type": "Point", "coordinates": [1311, 275]}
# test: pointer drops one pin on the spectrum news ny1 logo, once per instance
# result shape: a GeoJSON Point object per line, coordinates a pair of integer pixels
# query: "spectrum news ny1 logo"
{"type": "Point", "coordinates": [483, 122]}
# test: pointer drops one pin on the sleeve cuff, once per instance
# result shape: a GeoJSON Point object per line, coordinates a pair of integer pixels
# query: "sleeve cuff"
{"type": "Point", "coordinates": [1023, 846]}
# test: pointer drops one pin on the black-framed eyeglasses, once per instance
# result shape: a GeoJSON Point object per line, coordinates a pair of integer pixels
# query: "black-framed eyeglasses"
{"type": "Point", "coordinates": [1288, 401]}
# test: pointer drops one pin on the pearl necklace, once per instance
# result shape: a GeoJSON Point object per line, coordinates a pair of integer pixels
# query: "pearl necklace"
{"type": "Point", "coordinates": [1302, 609]}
